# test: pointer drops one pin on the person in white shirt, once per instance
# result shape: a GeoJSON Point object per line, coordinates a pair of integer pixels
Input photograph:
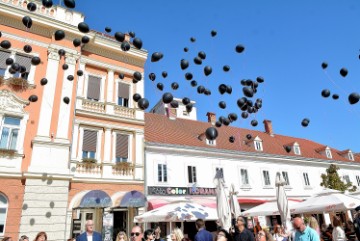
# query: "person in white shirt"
{"type": "Point", "coordinates": [338, 233]}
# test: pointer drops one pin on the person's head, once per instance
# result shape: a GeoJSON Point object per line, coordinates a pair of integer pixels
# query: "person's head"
{"type": "Point", "coordinates": [199, 223]}
{"type": "Point", "coordinates": [277, 228]}
{"type": "Point", "coordinates": [157, 230]}
{"type": "Point", "coordinates": [149, 234]}
{"type": "Point", "coordinates": [336, 222]}
{"type": "Point", "coordinates": [298, 224]}
{"type": "Point", "coordinates": [41, 237]}
{"type": "Point", "coordinates": [240, 222]}
{"type": "Point", "coordinates": [24, 238]}
{"type": "Point", "coordinates": [313, 223]}
{"type": "Point", "coordinates": [177, 234]}
{"type": "Point", "coordinates": [7, 239]}
{"type": "Point", "coordinates": [324, 227]}
{"type": "Point", "coordinates": [136, 233]}
{"type": "Point", "coordinates": [121, 236]}
{"type": "Point", "coordinates": [223, 235]}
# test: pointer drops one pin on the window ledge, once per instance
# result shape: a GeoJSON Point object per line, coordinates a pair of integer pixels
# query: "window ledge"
{"type": "Point", "coordinates": [308, 187]}
{"type": "Point", "coordinates": [245, 187]}
{"type": "Point", "coordinates": [268, 187]}
{"type": "Point", "coordinates": [10, 153]}
{"type": "Point", "coordinates": [89, 160]}
{"type": "Point", "coordinates": [288, 187]}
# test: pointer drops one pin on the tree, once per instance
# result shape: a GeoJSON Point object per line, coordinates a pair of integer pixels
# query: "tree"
{"type": "Point", "coordinates": [332, 180]}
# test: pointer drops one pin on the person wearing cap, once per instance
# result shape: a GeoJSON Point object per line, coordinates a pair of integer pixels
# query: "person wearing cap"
{"type": "Point", "coordinates": [357, 222]}
{"type": "Point", "coordinates": [241, 232]}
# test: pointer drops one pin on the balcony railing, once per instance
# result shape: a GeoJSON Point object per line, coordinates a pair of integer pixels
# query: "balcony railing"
{"type": "Point", "coordinates": [93, 106]}
{"type": "Point", "coordinates": [124, 111]}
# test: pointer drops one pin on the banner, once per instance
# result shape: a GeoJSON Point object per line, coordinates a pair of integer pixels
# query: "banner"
{"type": "Point", "coordinates": [108, 223]}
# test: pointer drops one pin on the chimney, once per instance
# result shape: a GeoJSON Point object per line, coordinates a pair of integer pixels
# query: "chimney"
{"type": "Point", "coordinates": [211, 117]}
{"type": "Point", "coordinates": [268, 127]}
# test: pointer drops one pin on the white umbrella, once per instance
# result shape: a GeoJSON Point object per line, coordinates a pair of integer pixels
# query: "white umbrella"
{"type": "Point", "coordinates": [223, 207]}
{"type": "Point", "coordinates": [178, 212]}
{"type": "Point", "coordinates": [234, 203]}
{"type": "Point", "coordinates": [282, 201]}
{"type": "Point", "coordinates": [268, 208]}
{"type": "Point", "coordinates": [327, 201]}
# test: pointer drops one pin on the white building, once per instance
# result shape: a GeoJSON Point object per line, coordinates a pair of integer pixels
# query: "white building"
{"type": "Point", "coordinates": [178, 155]}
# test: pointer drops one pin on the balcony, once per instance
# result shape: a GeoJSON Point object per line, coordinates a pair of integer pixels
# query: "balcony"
{"type": "Point", "coordinates": [81, 169]}
{"type": "Point", "coordinates": [111, 109]}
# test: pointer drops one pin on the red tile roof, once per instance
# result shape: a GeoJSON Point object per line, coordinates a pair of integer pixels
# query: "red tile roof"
{"type": "Point", "coordinates": [182, 132]}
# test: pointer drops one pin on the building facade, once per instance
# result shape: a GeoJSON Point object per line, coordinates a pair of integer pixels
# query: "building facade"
{"type": "Point", "coordinates": [74, 150]}
{"type": "Point", "coordinates": [181, 163]}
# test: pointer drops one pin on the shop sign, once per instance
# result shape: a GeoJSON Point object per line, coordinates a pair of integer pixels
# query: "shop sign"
{"type": "Point", "coordinates": [108, 223]}
{"type": "Point", "coordinates": [181, 191]}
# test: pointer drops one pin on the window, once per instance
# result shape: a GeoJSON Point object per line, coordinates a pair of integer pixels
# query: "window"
{"type": "Point", "coordinates": [9, 133]}
{"type": "Point", "coordinates": [89, 144]}
{"type": "Point", "coordinates": [191, 174]}
{"type": "Point", "coordinates": [3, 67]}
{"type": "Point", "coordinates": [123, 94]}
{"type": "Point", "coordinates": [328, 153]}
{"type": "Point", "coordinates": [258, 144]}
{"type": "Point", "coordinates": [122, 148]}
{"type": "Point", "coordinates": [219, 172]}
{"type": "Point", "coordinates": [297, 149]}
{"type": "Point", "coordinates": [93, 91]}
{"type": "Point", "coordinates": [3, 213]}
{"type": "Point", "coordinates": [244, 177]}
{"type": "Point", "coordinates": [25, 61]}
{"type": "Point", "coordinates": [358, 180]}
{"type": "Point", "coordinates": [306, 179]}
{"type": "Point", "coordinates": [266, 177]}
{"type": "Point", "coordinates": [351, 156]}
{"type": "Point", "coordinates": [211, 142]}
{"type": "Point", "coordinates": [286, 178]}
{"type": "Point", "coordinates": [346, 178]}
{"type": "Point", "coordinates": [162, 173]}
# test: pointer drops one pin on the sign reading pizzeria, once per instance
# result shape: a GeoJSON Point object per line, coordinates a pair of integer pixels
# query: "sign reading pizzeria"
{"type": "Point", "coordinates": [181, 191]}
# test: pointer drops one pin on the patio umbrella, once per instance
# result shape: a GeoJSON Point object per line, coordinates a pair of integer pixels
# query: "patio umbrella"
{"type": "Point", "coordinates": [223, 207]}
{"type": "Point", "coordinates": [327, 201]}
{"type": "Point", "coordinates": [268, 208]}
{"type": "Point", "coordinates": [282, 201]}
{"type": "Point", "coordinates": [234, 203]}
{"type": "Point", "coordinates": [178, 212]}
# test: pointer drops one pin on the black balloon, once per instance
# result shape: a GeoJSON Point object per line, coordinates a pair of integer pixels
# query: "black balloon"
{"type": "Point", "coordinates": [31, 6]}
{"type": "Point", "coordinates": [33, 98]}
{"type": "Point", "coordinates": [65, 66]}
{"type": "Point", "coordinates": [59, 35]}
{"type": "Point", "coordinates": [152, 76]}
{"type": "Point", "coordinates": [15, 66]}
{"type": "Point", "coordinates": [107, 29]}
{"type": "Point", "coordinates": [305, 122]}
{"type": "Point", "coordinates": [185, 100]}
{"type": "Point", "coordinates": [324, 65]}
{"type": "Point", "coordinates": [61, 52]}
{"type": "Point", "coordinates": [184, 64]}
{"type": "Point", "coordinates": [47, 3]}
{"type": "Point", "coordinates": [231, 139]}
{"type": "Point", "coordinates": [228, 89]}
{"type": "Point", "coordinates": [27, 21]}
{"type": "Point", "coordinates": [83, 27]}
{"type": "Point", "coordinates": [200, 89]}
{"type": "Point", "coordinates": [69, 3]}
{"type": "Point", "coordinates": [207, 92]}
{"type": "Point", "coordinates": [248, 92]}
{"type": "Point", "coordinates": [207, 70]}
{"type": "Point", "coordinates": [12, 71]}
{"type": "Point", "coordinates": [211, 133]}
{"type": "Point", "coordinates": [354, 98]}
{"type": "Point", "coordinates": [137, 75]}
{"type": "Point", "coordinates": [119, 36]}
{"type": "Point", "coordinates": [174, 104]}
{"type": "Point", "coordinates": [233, 117]}
{"type": "Point", "coordinates": [79, 72]}
{"type": "Point", "coordinates": [222, 88]}
{"type": "Point", "coordinates": [132, 34]}
{"type": "Point", "coordinates": [239, 48]}
{"type": "Point", "coordinates": [288, 149]}
{"type": "Point", "coordinates": [226, 68]}
{"type": "Point", "coordinates": [189, 107]}
{"type": "Point", "coordinates": [43, 81]}
{"type": "Point", "coordinates": [221, 119]}
{"type": "Point", "coordinates": [167, 97]}
{"type": "Point", "coordinates": [136, 97]}
{"type": "Point", "coordinates": [35, 60]}
{"type": "Point", "coordinates": [9, 61]}
{"type": "Point", "coordinates": [218, 124]}
{"type": "Point", "coordinates": [66, 100]}
{"type": "Point", "coordinates": [244, 115]}
{"type": "Point", "coordinates": [193, 83]}
{"type": "Point", "coordinates": [249, 82]}
{"type": "Point", "coordinates": [137, 43]}
{"type": "Point", "coordinates": [164, 74]}
{"type": "Point", "coordinates": [222, 104]}
{"type": "Point", "coordinates": [249, 136]}
{"type": "Point", "coordinates": [188, 76]}
{"type": "Point", "coordinates": [242, 102]}
{"type": "Point", "coordinates": [70, 77]}
{"type": "Point", "coordinates": [260, 79]}
{"type": "Point", "coordinates": [160, 86]}
{"type": "Point", "coordinates": [213, 33]}
{"type": "Point", "coordinates": [254, 123]}
{"type": "Point", "coordinates": [226, 121]}
{"type": "Point", "coordinates": [76, 42]}
{"type": "Point", "coordinates": [143, 103]}
{"type": "Point", "coordinates": [325, 93]}
{"type": "Point", "coordinates": [125, 46]}
{"type": "Point", "coordinates": [156, 56]}
{"type": "Point", "coordinates": [186, 49]}
{"type": "Point", "coordinates": [85, 39]}
{"type": "Point", "coordinates": [174, 86]}
{"type": "Point", "coordinates": [27, 48]}
{"type": "Point", "coordinates": [192, 39]}
{"type": "Point", "coordinates": [198, 60]}
{"type": "Point", "coordinates": [5, 44]}
{"type": "Point", "coordinates": [121, 76]}
{"type": "Point", "coordinates": [202, 55]}
{"type": "Point", "coordinates": [335, 96]}
{"type": "Point", "coordinates": [343, 72]}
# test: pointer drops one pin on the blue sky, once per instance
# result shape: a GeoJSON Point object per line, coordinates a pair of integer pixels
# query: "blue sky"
{"type": "Point", "coordinates": [285, 42]}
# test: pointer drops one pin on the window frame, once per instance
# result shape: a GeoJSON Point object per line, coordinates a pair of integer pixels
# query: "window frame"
{"type": "Point", "coordinates": [263, 178]}
{"type": "Point", "coordinates": [164, 173]}
{"type": "Point", "coordinates": [210, 142]}
{"type": "Point", "coordinates": [193, 180]}
{"type": "Point", "coordinates": [130, 145]}
{"type": "Point", "coordinates": [221, 169]}
{"type": "Point", "coordinates": [130, 103]}
{"type": "Point", "coordinates": [306, 179]}
{"type": "Point", "coordinates": [287, 180]}
{"type": "Point", "coordinates": [328, 153]}
{"type": "Point", "coordinates": [247, 177]}
{"type": "Point", "coordinates": [346, 178]}
{"type": "Point", "coordinates": [98, 141]}
{"type": "Point", "coordinates": [351, 156]}
{"type": "Point", "coordinates": [6, 207]}
{"type": "Point", "coordinates": [357, 177]}
{"type": "Point", "coordinates": [11, 127]}
{"type": "Point", "coordinates": [102, 86]}
{"type": "Point", "coordinates": [258, 145]}
{"type": "Point", "coordinates": [297, 150]}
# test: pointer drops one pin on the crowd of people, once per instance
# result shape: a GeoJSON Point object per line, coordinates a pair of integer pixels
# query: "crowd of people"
{"type": "Point", "coordinates": [301, 231]}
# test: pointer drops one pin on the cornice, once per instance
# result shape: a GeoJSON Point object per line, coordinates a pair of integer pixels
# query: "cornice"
{"type": "Point", "coordinates": [106, 181]}
{"type": "Point", "coordinates": [25, 40]}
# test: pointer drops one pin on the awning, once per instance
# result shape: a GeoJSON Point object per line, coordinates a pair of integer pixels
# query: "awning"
{"type": "Point", "coordinates": [133, 199]}
{"type": "Point", "coordinates": [93, 199]}
{"type": "Point", "coordinates": [155, 202]}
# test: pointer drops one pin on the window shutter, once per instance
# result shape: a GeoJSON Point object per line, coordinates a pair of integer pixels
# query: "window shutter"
{"type": "Point", "coordinates": [165, 172]}
{"type": "Point", "coordinates": [194, 174]}
{"type": "Point", "coordinates": [89, 141]}
{"type": "Point", "coordinates": [24, 61]}
{"type": "Point", "coordinates": [189, 174]}
{"type": "Point", "coordinates": [123, 90]}
{"type": "Point", "coordinates": [122, 145]}
{"type": "Point", "coordinates": [3, 56]}
{"type": "Point", "coordinates": [93, 91]}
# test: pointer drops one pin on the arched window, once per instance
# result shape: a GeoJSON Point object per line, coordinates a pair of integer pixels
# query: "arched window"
{"type": "Point", "coordinates": [3, 213]}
